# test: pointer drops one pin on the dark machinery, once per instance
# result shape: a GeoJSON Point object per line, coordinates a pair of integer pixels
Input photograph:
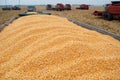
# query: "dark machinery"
{"type": "Point", "coordinates": [31, 8]}
{"type": "Point", "coordinates": [16, 8]}
{"type": "Point", "coordinates": [49, 7]}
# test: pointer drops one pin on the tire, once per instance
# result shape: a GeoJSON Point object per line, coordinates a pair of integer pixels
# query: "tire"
{"type": "Point", "coordinates": [108, 16]}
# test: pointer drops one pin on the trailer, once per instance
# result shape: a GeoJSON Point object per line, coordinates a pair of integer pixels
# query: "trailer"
{"type": "Point", "coordinates": [6, 7]}
{"type": "Point", "coordinates": [83, 7]}
{"type": "Point", "coordinates": [112, 11]}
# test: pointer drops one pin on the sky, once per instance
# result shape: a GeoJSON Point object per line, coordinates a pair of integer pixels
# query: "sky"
{"type": "Point", "coordinates": [42, 2]}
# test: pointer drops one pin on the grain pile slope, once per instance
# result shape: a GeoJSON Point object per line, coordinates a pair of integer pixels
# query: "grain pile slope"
{"type": "Point", "coordinates": [43, 47]}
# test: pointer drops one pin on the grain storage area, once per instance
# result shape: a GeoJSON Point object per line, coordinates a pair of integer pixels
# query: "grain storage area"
{"type": "Point", "coordinates": [47, 47]}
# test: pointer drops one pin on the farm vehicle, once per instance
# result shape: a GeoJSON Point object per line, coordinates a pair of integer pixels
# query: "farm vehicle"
{"type": "Point", "coordinates": [112, 11]}
{"type": "Point", "coordinates": [67, 7]}
{"type": "Point", "coordinates": [31, 8]}
{"type": "Point", "coordinates": [58, 7]}
{"type": "Point", "coordinates": [83, 7]}
{"type": "Point", "coordinates": [11, 8]}
{"type": "Point", "coordinates": [7, 7]}
{"type": "Point", "coordinates": [16, 8]}
{"type": "Point", "coordinates": [49, 7]}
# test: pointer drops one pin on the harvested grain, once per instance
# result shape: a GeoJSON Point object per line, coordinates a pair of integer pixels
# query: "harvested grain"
{"type": "Point", "coordinates": [43, 47]}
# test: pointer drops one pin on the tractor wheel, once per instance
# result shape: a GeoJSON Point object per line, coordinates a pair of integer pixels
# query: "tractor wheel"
{"type": "Point", "coordinates": [108, 16]}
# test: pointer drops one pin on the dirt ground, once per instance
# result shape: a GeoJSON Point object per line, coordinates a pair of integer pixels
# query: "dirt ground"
{"type": "Point", "coordinates": [84, 16]}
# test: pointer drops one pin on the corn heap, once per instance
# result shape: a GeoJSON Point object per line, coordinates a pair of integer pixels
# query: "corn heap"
{"type": "Point", "coordinates": [47, 47]}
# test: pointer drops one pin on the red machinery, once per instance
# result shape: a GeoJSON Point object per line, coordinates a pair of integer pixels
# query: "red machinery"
{"type": "Point", "coordinates": [67, 7]}
{"type": "Point", "coordinates": [83, 6]}
{"type": "Point", "coordinates": [112, 11]}
{"type": "Point", "coordinates": [59, 7]}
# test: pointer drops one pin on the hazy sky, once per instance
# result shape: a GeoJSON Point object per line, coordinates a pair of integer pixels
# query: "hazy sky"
{"type": "Point", "coordinates": [38, 2]}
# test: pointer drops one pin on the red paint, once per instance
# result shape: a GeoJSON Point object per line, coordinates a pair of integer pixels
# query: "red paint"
{"type": "Point", "coordinates": [112, 11]}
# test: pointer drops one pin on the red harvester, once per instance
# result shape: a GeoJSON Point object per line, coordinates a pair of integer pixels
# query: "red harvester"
{"type": "Point", "coordinates": [59, 7]}
{"type": "Point", "coordinates": [112, 11]}
{"type": "Point", "coordinates": [67, 7]}
{"type": "Point", "coordinates": [83, 6]}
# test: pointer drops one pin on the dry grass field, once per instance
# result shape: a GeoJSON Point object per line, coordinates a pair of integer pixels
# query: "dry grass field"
{"type": "Point", "coordinates": [84, 16]}
{"type": "Point", "coordinates": [5, 15]}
